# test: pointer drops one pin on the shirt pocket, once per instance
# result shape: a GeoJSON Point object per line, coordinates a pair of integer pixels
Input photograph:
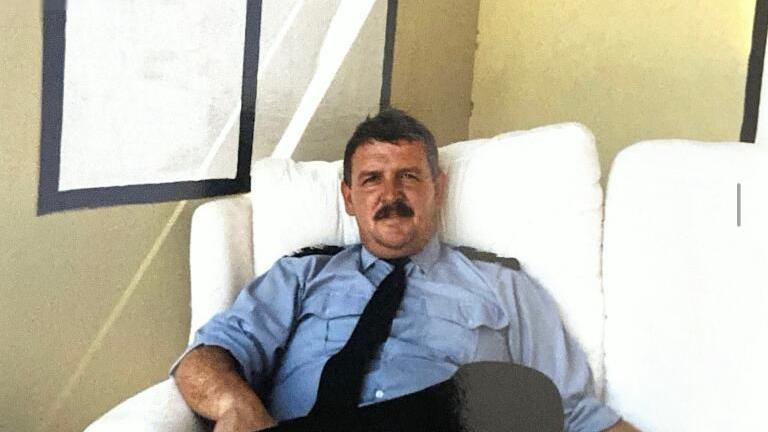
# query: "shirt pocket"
{"type": "Point", "coordinates": [453, 327]}
{"type": "Point", "coordinates": [339, 313]}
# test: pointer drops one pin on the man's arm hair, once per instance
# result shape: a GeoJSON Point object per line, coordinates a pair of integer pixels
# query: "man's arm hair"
{"type": "Point", "coordinates": [210, 384]}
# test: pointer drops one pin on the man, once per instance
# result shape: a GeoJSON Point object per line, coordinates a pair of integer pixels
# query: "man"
{"type": "Point", "coordinates": [262, 360]}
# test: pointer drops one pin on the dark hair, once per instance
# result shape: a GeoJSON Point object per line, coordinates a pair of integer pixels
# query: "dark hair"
{"type": "Point", "coordinates": [391, 125]}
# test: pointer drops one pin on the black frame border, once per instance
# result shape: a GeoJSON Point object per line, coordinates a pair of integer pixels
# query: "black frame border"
{"type": "Point", "coordinates": [51, 199]}
{"type": "Point", "coordinates": [755, 73]}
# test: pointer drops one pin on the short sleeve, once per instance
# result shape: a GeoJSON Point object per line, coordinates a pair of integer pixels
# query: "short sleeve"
{"type": "Point", "coordinates": [539, 340]}
{"type": "Point", "coordinates": [257, 325]}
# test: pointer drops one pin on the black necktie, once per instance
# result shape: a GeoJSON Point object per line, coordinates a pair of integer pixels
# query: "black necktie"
{"type": "Point", "coordinates": [342, 376]}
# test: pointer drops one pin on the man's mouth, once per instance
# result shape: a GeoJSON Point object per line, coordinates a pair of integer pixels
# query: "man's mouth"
{"type": "Point", "coordinates": [394, 209]}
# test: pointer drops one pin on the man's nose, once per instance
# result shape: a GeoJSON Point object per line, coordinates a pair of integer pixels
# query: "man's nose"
{"type": "Point", "coordinates": [393, 189]}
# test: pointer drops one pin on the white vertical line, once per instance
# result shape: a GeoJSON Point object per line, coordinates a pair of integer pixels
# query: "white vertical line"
{"type": "Point", "coordinates": [342, 33]}
{"type": "Point", "coordinates": [208, 161]}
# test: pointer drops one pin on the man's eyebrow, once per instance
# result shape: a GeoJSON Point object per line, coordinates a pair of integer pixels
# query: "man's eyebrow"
{"type": "Point", "coordinates": [366, 173]}
{"type": "Point", "coordinates": [411, 169]}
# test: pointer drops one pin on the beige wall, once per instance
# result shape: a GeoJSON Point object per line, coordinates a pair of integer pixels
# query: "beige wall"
{"type": "Point", "coordinates": [628, 70]}
{"type": "Point", "coordinates": [434, 53]}
{"type": "Point", "coordinates": [62, 275]}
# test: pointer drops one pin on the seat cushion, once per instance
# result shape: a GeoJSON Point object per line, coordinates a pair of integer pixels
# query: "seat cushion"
{"type": "Point", "coordinates": [533, 195]}
{"type": "Point", "coordinates": [686, 285]}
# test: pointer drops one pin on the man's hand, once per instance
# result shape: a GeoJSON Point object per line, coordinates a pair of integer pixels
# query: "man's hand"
{"type": "Point", "coordinates": [209, 382]}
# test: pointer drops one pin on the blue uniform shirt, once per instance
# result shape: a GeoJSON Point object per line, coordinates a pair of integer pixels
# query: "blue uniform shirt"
{"type": "Point", "coordinates": [284, 326]}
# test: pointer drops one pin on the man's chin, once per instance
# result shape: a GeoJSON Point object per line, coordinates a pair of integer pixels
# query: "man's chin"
{"type": "Point", "coordinates": [391, 241]}
{"type": "Point", "coordinates": [395, 246]}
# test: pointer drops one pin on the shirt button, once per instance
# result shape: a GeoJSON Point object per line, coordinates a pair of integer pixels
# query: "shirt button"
{"type": "Point", "coordinates": [379, 394]}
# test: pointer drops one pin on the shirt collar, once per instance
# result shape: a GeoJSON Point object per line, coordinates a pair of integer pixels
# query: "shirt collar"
{"type": "Point", "coordinates": [424, 260]}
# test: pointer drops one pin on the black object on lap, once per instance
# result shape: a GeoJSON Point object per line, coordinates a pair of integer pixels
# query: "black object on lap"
{"type": "Point", "coordinates": [480, 397]}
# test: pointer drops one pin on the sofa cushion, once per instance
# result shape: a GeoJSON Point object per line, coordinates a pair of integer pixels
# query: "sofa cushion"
{"type": "Point", "coordinates": [686, 287]}
{"type": "Point", "coordinates": [533, 195]}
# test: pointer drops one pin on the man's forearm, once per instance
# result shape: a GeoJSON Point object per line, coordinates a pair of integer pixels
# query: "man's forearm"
{"type": "Point", "coordinates": [211, 386]}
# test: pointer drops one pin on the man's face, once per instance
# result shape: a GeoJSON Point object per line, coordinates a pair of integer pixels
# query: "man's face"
{"type": "Point", "coordinates": [393, 197]}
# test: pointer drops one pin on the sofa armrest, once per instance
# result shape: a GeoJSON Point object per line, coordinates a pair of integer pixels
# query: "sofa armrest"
{"type": "Point", "coordinates": [221, 256]}
{"type": "Point", "coordinates": [159, 408]}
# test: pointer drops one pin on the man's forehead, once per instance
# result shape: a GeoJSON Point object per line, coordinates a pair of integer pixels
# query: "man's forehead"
{"type": "Point", "coordinates": [373, 150]}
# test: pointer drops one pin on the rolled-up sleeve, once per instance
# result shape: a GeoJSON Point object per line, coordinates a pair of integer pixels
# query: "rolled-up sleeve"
{"type": "Point", "coordinates": [539, 341]}
{"type": "Point", "coordinates": [258, 324]}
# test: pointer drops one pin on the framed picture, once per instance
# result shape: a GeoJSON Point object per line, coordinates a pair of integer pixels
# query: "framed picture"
{"type": "Point", "coordinates": [147, 101]}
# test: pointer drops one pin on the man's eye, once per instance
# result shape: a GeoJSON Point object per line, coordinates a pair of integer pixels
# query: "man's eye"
{"type": "Point", "coordinates": [369, 179]}
{"type": "Point", "coordinates": [410, 176]}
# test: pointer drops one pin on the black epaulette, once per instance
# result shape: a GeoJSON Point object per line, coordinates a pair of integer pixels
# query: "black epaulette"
{"type": "Point", "coordinates": [317, 250]}
{"type": "Point", "coordinates": [475, 254]}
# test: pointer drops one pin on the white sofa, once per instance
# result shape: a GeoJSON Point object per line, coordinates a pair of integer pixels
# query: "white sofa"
{"type": "Point", "coordinates": [666, 297]}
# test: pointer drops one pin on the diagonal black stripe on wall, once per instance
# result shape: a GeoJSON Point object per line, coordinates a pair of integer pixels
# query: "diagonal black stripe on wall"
{"type": "Point", "coordinates": [755, 73]}
{"type": "Point", "coordinates": [389, 55]}
{"type": "Point", "coordinates": [51, 199]}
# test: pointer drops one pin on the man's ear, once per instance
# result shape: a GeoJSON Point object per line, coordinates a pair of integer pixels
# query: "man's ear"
{"type": "Point", "coordinates": [346, 192]}
{"type": "Point", "coordinates": [440, 184]}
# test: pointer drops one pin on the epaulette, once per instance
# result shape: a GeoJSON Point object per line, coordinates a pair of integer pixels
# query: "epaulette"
{"type": "Point", "coordinates": [475, 254]}
{"type": "Point", "coordinates": [317, 250]}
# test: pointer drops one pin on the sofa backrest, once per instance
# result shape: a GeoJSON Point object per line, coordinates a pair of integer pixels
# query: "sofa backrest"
{"type": "Point", "coordinates": [685, 274]}
{"type": "Point", "coordinates": [533, 195]}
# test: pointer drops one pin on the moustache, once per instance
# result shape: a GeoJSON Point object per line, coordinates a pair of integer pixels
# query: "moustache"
{"type": "Point", "coordinates": [397, 208]}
